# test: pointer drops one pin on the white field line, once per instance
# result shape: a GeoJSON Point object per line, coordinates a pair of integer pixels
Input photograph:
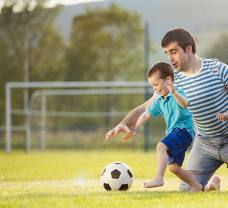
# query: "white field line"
{"type": "Point", "coordinates": [81, 184]}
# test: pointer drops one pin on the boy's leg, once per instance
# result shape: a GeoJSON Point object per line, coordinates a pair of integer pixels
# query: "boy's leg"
{"type": "Point", "coordinates": [161, 166]}
{"type": "Point", "coordinates": [202, 162]}
{"type": "Point", "coordinates": [185, 176]}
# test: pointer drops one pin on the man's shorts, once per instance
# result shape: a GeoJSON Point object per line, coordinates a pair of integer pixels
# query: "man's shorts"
{"type": "Point", "coordinates": [177, 143]}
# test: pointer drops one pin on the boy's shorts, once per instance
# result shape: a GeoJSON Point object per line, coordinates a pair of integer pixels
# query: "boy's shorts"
{"type": "Point", "coordinates": [177, 143]}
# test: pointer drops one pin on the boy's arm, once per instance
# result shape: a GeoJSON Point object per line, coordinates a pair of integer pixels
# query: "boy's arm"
{"type": "Point", "coordinates": [181, 100]}
{"type": "Point", "coordinates": [141, 120]}
{"type": "Point", "coordinates": [129, 120]}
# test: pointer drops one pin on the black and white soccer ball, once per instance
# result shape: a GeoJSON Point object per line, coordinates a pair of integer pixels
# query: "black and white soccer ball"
{"type": "Point", "coordinates": [116, 176]}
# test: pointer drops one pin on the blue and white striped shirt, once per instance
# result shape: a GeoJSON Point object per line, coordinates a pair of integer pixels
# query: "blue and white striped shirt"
{"type": "Point", "coordinates": [207, 94]}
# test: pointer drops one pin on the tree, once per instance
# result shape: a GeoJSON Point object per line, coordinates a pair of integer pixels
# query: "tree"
{"type": "Point", "coordinates": [28, 41]}
{"type": "Point", "coordinates": [105, 44]}
{"type": "Point", "coordinates": [219, 49]}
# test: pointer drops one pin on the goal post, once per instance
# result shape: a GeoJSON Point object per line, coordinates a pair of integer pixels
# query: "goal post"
{"type": "Point", "coordinates": [44, 90]}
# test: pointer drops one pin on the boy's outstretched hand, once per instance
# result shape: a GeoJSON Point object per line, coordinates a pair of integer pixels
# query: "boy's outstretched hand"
{"type": "Point", "coordinates": [116, 130]}
{"type": "Point", "coordinates": [129, 136]}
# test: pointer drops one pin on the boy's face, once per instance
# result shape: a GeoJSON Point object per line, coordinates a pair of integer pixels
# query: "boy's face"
{"type": "Point", "coordinates": [158, 84]}
{"type": "Point", "coordinates": [177, 56]}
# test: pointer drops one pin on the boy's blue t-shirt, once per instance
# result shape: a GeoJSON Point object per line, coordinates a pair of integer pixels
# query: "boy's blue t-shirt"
{"type": "Point", "coordinates": [175, 116]}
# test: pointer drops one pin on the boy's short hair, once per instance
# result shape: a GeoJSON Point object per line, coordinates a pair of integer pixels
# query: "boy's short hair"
{"type": "Point", "coordinates": [164, 69]}
{"type": "Point", "coordinates": [181, 36]}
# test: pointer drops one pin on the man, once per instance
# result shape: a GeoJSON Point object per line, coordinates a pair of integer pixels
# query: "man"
{"type": "Point", "coordinates": [205, 82]}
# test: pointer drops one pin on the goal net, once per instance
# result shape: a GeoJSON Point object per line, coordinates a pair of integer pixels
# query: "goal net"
{"type": "Point", "coordinates": [72, 114]}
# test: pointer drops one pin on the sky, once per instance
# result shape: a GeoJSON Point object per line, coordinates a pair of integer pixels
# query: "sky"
{"type": "Point", "coordinates": [68, 2]}
{"type": "Point", "coordinates": [65, 2]}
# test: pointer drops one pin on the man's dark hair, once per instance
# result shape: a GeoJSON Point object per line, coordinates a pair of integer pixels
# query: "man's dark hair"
{"type": "Point", "coordinates": [164, 69]}
{"type": "Point", "coordinates": [181, 36]}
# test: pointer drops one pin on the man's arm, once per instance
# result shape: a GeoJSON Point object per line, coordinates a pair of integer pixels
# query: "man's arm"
{"type": "Point", "coordinates": [141, 120]}
{"type": "Point", "coordinates": [129, 120]}
{"type": "Point", "coordinates": [223, 72]}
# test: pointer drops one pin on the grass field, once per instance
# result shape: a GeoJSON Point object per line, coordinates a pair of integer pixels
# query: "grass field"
{"type": "Point", "coordinates": [70, 179]}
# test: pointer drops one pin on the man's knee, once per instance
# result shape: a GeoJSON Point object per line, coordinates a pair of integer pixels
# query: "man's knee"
{"type": "Point", "coordinates": [224, 154]}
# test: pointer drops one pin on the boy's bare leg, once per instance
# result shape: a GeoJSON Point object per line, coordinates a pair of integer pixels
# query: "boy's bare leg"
{"type": "Point", "coordinates": [213, 184]}
{"type": "Point", "coordinates": [186, 177]}
{"type": "Point", "coordinates": [161, 166]}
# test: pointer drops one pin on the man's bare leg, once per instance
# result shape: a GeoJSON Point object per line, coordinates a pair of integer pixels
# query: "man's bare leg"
{"type": "Point", "coordinates": [213, 184]}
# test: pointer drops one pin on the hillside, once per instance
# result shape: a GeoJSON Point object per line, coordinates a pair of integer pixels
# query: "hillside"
{"type": "Point", "coordinates": [206, 19]}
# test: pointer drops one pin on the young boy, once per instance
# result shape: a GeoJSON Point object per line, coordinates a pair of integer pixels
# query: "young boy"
{"type": "Point", "coordinates": [172, 105]}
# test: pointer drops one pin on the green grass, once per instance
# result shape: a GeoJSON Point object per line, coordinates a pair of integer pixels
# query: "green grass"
{"type": "Point", "coordinates": [71, 179]}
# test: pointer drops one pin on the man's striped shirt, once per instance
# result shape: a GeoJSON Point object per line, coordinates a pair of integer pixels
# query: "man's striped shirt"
{"type": "Point", "coordinates": [207, 93]}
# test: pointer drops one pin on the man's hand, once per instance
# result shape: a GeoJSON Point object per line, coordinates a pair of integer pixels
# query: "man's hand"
{"type": "Point", "coordinates": [116, 130]}
{"type": "Point", "coordinates": [222, 116]}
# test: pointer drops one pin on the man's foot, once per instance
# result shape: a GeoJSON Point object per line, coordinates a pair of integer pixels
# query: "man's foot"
{"type": "Point", "coordinates": [154, 183]}
{"type": "Point", "coordinates": [213, 184]}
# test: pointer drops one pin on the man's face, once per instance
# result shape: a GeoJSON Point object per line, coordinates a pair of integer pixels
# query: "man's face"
{"type": "Point", "coordinates": [158, 84]}
{"type": "Point", "coordinates": [177, 56]}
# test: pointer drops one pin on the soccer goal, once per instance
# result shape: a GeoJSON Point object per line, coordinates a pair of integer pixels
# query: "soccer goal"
{"type": "Point", "coordinates": [68, 114]}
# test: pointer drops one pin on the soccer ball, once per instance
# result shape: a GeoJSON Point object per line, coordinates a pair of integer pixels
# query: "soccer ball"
{"type": "Point", "coordinates": [116, 176]}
